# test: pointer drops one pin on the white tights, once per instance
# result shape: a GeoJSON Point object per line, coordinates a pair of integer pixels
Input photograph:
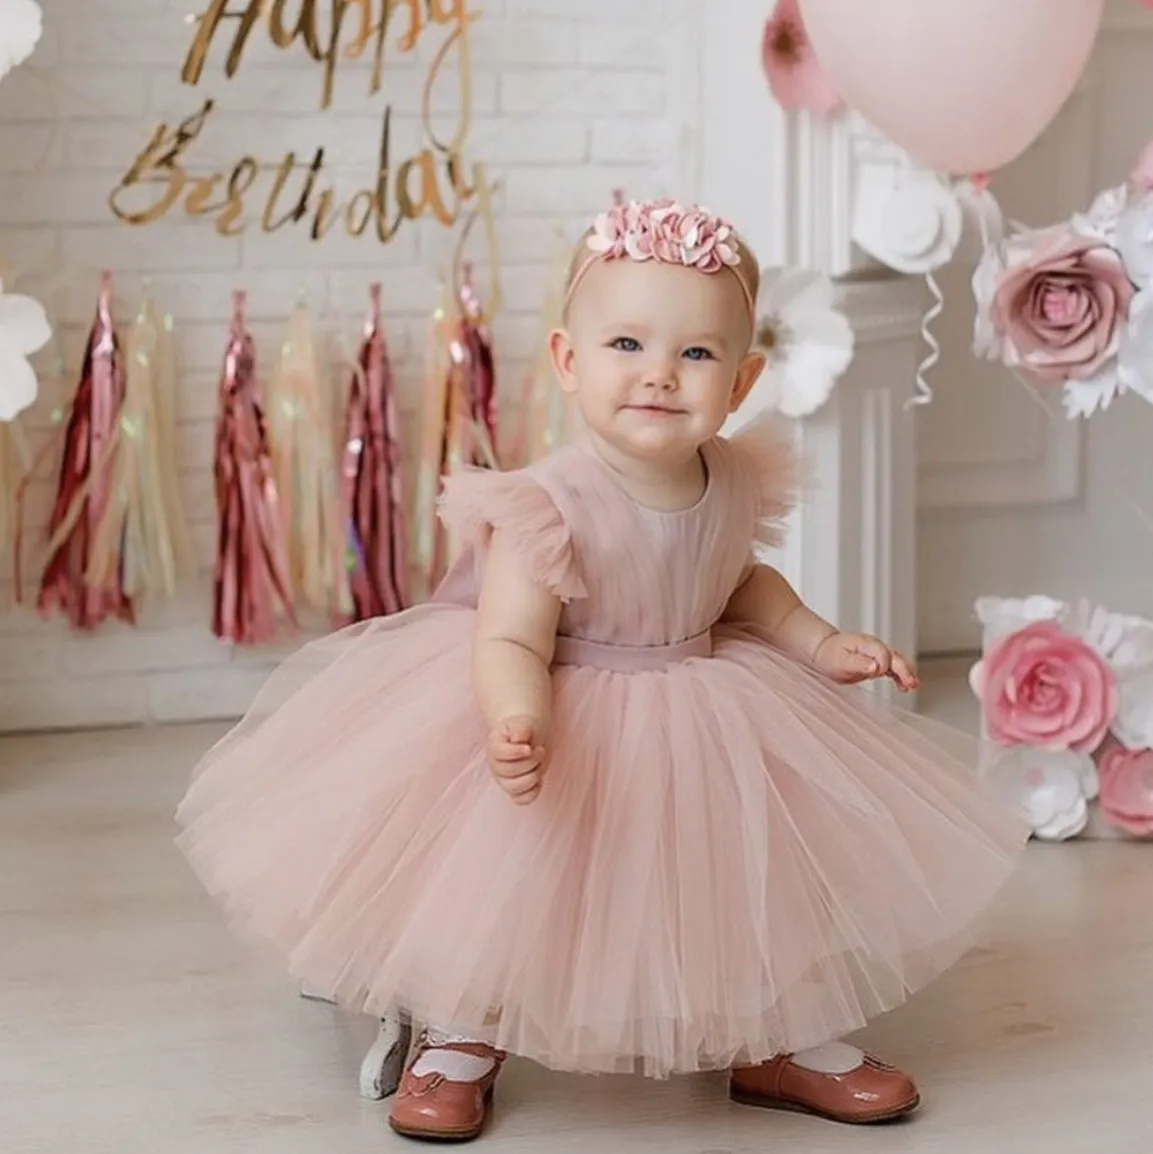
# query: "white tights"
{"type": "Point", "coordinates": [831, 1058]}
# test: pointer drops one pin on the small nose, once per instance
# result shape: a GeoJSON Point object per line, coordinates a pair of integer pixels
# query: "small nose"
{"type": "Point", "coordinates": [661, 375]}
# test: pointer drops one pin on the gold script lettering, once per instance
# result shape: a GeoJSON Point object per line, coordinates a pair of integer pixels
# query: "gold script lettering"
{"type": "Point", "coordinates": [435, 181]}
{"type": "Point", "coordinates": [428, 183]}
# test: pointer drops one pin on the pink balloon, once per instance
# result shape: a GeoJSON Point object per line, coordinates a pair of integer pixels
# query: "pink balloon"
{"type": "Point", "coordinates": [964, 86]}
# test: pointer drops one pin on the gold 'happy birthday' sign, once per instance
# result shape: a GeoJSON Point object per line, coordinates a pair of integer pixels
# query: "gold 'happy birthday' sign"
{"type": "Point", "coordinates": [436, 181]}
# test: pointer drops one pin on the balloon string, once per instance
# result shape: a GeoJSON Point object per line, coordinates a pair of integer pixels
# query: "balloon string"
{"type": "Point", "coordinates": [924, 394]}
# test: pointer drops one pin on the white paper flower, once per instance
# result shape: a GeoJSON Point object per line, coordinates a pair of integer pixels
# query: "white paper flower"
{"type": "Point", "coordinates": [21, 24]}
{"type": "Point", "coordinates": [1004, 615]}
{"type": "Point", "coordinates": [807, 341]}
{"type": "Point", "coordinates": [1100, 221]}
{"type": "Point", "coordinates": [1135, 359]}
{"type": "Point", "coordinates": [987, 342]}
{"type": "Point", "coordinates": [1051, 790]}
{"type": "Point", "coordinates": [1082, 399]}
{"type": "Point", "coordinates": [1127, 643]}
{"type": "Point", "coordinates": [24, 328]}
{"type": "Point", "coordinates": [1134, 239]}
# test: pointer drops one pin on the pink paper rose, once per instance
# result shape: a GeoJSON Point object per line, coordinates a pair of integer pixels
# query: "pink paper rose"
{"type": "Point", "coordinates": [1060, 304]}
{"type": "Point", "coordinates": [1045, 688]}
{"type": "Point", "coordinates": [1126, 797]}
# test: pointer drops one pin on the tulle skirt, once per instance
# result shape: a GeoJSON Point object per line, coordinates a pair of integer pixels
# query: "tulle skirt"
{"type": "Point", "coordinates": [730, 858]}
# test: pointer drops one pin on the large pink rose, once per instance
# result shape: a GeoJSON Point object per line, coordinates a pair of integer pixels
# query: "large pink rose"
{"type": "Point", "coordinates": [1045, 688]}
{"type": "Point", "coordinates": [1126, 797]}
{"type": "Point", "coordinates": [1061, 303]}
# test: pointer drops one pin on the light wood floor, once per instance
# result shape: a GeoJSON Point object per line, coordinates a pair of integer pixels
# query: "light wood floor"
{"type": "Point", "coordinates": [132, 1023]}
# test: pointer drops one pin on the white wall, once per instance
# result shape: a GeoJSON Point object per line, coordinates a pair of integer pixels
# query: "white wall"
{"type": "Point", "coordinates": [572, 98]}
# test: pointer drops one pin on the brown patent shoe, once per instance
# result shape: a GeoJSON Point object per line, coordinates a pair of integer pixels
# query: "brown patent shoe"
{"type": "Point", "coordinates": [435, 1108]}
{"type": "Point", "coordinates": [873, 1092]}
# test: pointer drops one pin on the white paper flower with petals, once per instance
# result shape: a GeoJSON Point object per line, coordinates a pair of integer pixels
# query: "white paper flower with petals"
{"type": "Point", "coordinates": [24, 329]}
{"type": "Point", "coordinates": [1134, 239]}
{"type": "Point", "coordinates": [1127, 643]}
{"type": "Point", "coordinates": [1135, 359]}
{"type": "Point", "coordinates": [1050, 790]}
{"type": "Point", "coordinates": [1004, 615]}
{"type": "Point", "coordinates": [987, 342]}
{"type": "Point", "coordinates": [21, 24]}
{"type": "Point", "coordinates": [807, 341]}
{"type": "Point", "coordinates": [1100, 221]}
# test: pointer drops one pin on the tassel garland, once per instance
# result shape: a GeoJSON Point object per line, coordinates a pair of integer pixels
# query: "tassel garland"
{"type": "Point", "coordinates": [84, 486]}
{"type": "Point", "coordinates": [143, 534]}
{"type": "Point", "coordinates": [300, 432]}
{"type": "Point", "coordinates": [251, 587]}
{"type": "Point", "coordinates": [373, 493]}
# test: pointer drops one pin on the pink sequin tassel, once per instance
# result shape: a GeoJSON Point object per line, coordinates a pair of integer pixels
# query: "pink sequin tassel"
{"type": "Point", "coordinates": [83, 491]}
{"type": "Point", "coordinates": [251, 586]}
{"type": "Point", "coordinates": [373, 494]}
{"type": "Point", "coordinates": [478, 376]}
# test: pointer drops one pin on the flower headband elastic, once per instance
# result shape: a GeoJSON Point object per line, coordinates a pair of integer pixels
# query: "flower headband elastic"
{"type": "Point", "coordinates": [668, 232]}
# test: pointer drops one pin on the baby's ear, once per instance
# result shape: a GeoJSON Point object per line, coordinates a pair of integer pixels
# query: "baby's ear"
{"type": "Point", "coordinates": [748, 372]}
{"type": "Point", "coordinates": [561, 354]}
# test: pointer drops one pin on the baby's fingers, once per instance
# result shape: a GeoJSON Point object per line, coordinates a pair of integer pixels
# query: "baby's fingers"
{"type": "Point", "coordinates": [523, 789]}
{"type": "Point", "coordinates": [510, 751]}
{"type": "Point", "coordinates": [903, 673]}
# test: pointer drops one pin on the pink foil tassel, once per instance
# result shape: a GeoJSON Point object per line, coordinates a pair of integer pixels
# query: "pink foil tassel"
{"type": "Point", "coordinates": [82, 493]}
{"type": "Point", "coordinates": [478, 375]}
{"type": "Point", "coordinates": [251, 583]}
{"type": "Point", "coordinates": [373, 494]}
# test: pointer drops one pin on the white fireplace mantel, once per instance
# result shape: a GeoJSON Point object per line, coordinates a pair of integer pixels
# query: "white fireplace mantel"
{"type": "Point", "coordinates": [791, 183]}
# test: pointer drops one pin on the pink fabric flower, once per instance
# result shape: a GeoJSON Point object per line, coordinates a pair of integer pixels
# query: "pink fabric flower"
{"type": "Point", "coordinates": [1061, 303]}
{"type": "Point", "coordinates": [1126, 797]}
{"type": "Point", "coordinates": [794, 75]}
{"type": "Point", "coordinates": [666, 231]}
{"type": "Point", "coordinates": [1045, 688]}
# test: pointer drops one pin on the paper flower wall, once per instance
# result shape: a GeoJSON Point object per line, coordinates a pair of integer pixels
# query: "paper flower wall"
{"type": "Point", "coordinates": [24, 329]}
{"type": "Point", "coordinates": [21, 24]}
{"type": "Point", "coordinates": [1066, 696]}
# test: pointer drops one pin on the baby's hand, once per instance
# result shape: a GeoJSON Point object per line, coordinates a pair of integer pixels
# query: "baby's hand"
{"type": "Point", "coordinates": [516, 754]}
{"type": "Point", "coordinates": [853, 657]}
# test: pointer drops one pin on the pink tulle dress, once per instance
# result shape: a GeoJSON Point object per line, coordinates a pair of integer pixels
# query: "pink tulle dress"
{"type": "Point", "coordinates": [731, 858]}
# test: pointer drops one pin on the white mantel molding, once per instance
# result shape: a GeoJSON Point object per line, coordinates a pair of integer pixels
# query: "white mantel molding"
{"type": "Point", "coordinates": [853, 550]}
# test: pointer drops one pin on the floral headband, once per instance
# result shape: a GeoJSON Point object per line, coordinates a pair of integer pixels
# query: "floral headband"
{"type": "Point", "coordinates": [668, 232]}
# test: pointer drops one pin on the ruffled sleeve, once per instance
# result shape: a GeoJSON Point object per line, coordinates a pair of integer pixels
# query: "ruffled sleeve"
{"type": "Point", "coordinates": [770, 465]}
{"type": "Point", "coordinates": [476, 502]}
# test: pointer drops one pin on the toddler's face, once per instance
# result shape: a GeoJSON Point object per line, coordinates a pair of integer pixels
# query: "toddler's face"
{"type": "Point", "coordinates": [655, 354]}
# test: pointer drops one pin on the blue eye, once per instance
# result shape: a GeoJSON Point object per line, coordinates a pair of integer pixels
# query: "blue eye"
{"type": "Point", "coordinates": [626, 345]}
{"type": "Point", "coordinates": [698, 353]}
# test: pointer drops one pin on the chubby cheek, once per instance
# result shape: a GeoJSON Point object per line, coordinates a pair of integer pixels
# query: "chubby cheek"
{"type": "Point", "coordinates": [710, 387]}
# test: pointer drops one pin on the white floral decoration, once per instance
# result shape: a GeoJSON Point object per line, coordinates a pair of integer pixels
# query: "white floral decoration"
{"type": "Point", "coordinates": [21, 25]}
{"type": "Point", "coordinates": [807, 341]}
{"type": "Point", "coordinates": [1051, 790]}
{"type": "Point", "coordinates": [24, 329]}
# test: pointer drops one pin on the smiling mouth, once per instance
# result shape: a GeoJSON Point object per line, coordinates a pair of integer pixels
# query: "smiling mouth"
{"type": "Point", "coordinates": [663, 410]}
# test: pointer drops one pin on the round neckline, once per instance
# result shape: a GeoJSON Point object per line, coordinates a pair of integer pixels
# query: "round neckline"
{"type": "Point", "coordinates": [707, 463]}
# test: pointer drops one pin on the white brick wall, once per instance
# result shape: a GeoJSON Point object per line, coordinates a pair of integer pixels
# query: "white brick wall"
{"type": "Point", "coordinates": [571, 99]}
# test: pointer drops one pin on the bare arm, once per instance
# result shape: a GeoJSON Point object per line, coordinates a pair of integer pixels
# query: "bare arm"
{"type": "Point", "coordinates": [515, 638]}
{"type": "Point", "coordinates": [767, 600]}
{"type": "Point", "coordinates": [512, 652]}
